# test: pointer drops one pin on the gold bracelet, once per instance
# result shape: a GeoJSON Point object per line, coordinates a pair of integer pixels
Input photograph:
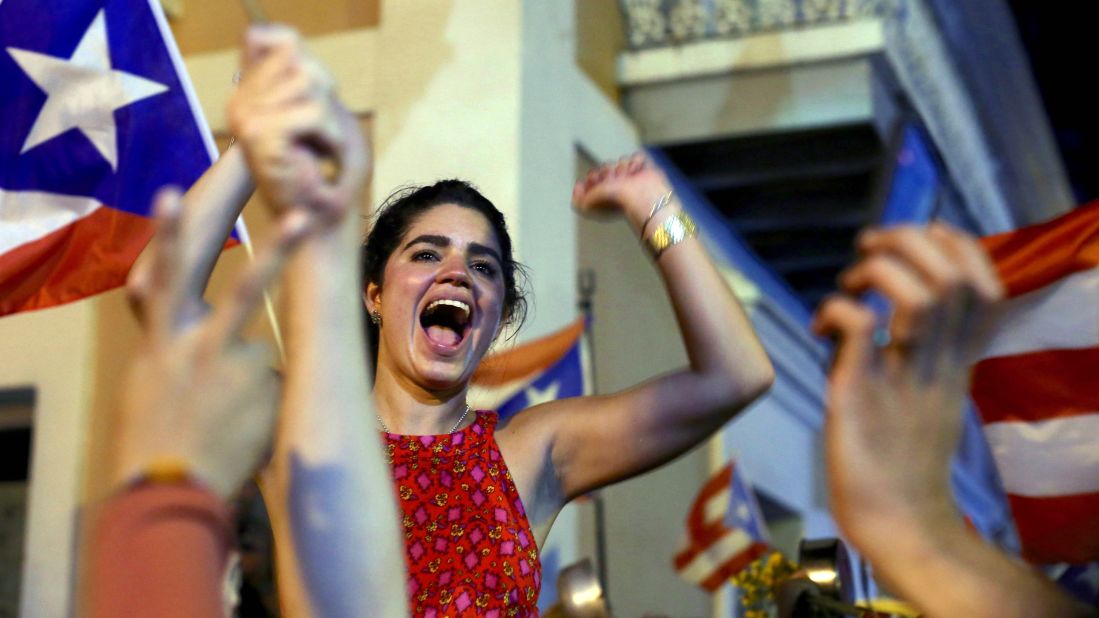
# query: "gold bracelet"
{"type": "Point", "coordinates": [672, 231]}
{"type": "Point", "coordinates": [660, 202]}
{"type": "Point", "coordinates": [166, 470]}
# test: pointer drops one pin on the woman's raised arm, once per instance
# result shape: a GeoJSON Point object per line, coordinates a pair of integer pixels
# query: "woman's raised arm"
{"type": "Point", "coordinates": [212, 204]}
{"type": "Point", "coordinates": [593, 441]}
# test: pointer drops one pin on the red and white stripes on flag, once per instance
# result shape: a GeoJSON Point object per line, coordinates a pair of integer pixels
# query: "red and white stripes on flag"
{"type": "Point", "coordinates": [724, 532]}
{"type": "Point", "coordinates": [1037, 385]}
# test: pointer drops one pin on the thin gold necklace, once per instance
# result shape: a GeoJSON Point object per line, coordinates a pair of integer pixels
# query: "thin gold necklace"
{"type": "Point", "coordinates": [452, 429]}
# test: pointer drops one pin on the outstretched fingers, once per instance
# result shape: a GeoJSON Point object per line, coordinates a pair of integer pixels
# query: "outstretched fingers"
{"type": "Point", "coordinates": [163, 286]}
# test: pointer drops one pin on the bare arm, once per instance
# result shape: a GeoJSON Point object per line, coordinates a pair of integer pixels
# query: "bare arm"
{"type": "Point", "coordinates": [330, 493]}
{"type": "Point", "coordinates": [947, 570]}
{"type": "Point", "coordinates": [660, 419]}
{"type": "Point", "coordinates": [212, 204]}
{"type": "Point", "coordinates": [336, 522]}
{"type": "Point", "coordinates": [894, 421]}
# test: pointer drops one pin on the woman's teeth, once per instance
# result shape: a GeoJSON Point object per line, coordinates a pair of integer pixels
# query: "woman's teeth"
{"type": "Point", "coordinates": [450, 303]}
{"type": "Point", "coordinates": [445, 321]}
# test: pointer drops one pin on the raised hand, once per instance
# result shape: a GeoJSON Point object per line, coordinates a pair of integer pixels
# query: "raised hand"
{"type": "Point", "coordinates": [629, 186]}
{"type": "Point", "coordinates": [197, 396]}
{"type": "Point", "coordinates": [896, 396]}
{"type": "Point", "coordinates": [304, 149]}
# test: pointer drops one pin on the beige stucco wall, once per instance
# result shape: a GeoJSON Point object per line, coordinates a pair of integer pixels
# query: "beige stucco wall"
{"type": "Point", "coordinates": [51, 351]}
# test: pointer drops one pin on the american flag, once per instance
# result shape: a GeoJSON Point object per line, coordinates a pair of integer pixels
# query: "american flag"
{"type": "Point", "coordinates": [1037, 385]}
{"type": "Point", "coordinates": [97, 116]}
{"type": "Point", "coordinates": [725, 531]}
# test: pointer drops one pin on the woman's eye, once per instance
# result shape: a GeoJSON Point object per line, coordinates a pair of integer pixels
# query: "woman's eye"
{"type": "Point", "coordinates": [485, 268]}
{"type": "Point", "coordinates": [424, 256]}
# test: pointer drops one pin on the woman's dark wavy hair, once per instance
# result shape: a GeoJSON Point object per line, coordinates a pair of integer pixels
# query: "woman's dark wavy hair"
{"type": "Point", "coordinates": [401, 209]}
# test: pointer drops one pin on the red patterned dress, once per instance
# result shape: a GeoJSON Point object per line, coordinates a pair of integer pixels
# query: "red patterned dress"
{"type": "Point", "coordinates": [470, 551]}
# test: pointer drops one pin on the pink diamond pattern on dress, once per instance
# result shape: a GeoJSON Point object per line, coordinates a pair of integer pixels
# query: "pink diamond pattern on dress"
{"type": "Point", "coordinates": [424, 481]}
{"type": "Point", "coordinates": [464, 526]}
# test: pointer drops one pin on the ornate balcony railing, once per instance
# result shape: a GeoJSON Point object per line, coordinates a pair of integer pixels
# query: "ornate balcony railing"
{"type": "Point", "coordinates": [656, 23]}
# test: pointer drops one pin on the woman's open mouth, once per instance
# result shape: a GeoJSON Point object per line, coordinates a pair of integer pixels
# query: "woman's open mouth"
{"type": "Point", "coordinates": [446, 322]}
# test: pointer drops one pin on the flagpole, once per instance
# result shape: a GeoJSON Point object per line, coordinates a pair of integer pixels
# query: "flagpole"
{"type": "Point", "coordinates": [716, 456]}
{"type": "Point", "coordinates": [586, 288]}
{"type": "Point", "coordinates": [256, 15]}
{"type": "Point", "coordinates": [268, 304]}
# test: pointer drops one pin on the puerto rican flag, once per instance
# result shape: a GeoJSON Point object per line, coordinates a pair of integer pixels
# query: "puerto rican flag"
{"type": "Point", "coordinates": [97, 116]}
{"type": "Point", "coordinates": [726, 531]}
{"type": "Point", "coordinates": [553, 367]}
{"type": "Point", "coordinates": [1037, 385]}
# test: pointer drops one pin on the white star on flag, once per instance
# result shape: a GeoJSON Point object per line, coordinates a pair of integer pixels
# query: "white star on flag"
{"type": "Point", "coordinates": [83, 91]}
{"type": "Point", "coordinates": [537, 396]}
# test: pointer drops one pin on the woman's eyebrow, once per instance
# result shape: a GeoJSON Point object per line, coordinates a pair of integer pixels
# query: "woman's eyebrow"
{"type": "Point", "coordinates": [431, 239]}
{"type": "Point", "coordinates": [439, 240]}
{"type": "Point", "coordinates": [479, 249]}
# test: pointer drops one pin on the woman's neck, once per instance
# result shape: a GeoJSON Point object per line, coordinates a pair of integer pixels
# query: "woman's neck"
{"type": "Point", "coordinates": [406, 408]}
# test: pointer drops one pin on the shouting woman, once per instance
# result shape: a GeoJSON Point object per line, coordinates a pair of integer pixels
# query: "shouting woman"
{"type": "Point", "coordinates": [439, 282]}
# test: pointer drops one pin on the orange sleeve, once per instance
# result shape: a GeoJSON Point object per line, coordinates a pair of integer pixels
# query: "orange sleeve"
{"type": "Point", "coordinates": [159, 550]}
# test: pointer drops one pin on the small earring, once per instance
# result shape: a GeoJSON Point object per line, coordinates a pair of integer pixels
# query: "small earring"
{"type": "Point", "coordinates": [376, 318]}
